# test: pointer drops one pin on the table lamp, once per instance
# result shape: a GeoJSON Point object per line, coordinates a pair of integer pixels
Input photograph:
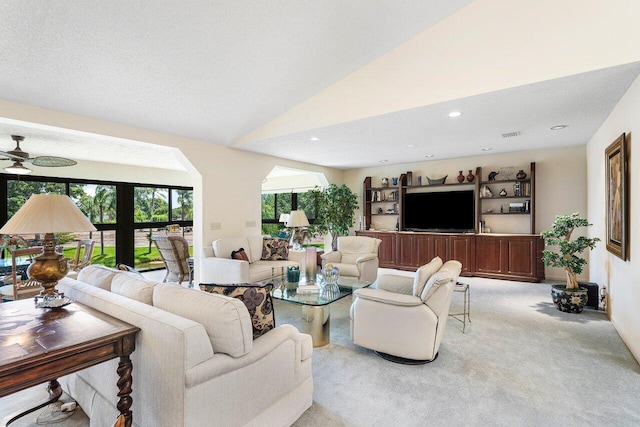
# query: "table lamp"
{"type": "Point", "coordinates": [48, 214]}
{"type": "Point", "coordinates": [284, 218]}
{"type": "Point", "coordinates": [297, 219]}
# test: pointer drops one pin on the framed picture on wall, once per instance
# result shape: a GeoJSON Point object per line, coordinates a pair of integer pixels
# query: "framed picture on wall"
{"type": "Point", "coordinates": [616, 189]}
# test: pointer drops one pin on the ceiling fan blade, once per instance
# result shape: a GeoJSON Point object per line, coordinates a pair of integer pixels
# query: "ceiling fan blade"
{"type": "Point", "coordinates": [17, 155]}
{"type": "Point", "coordinates": [12, 157]}
{"type": "Point", "coordinates": [52, 161]}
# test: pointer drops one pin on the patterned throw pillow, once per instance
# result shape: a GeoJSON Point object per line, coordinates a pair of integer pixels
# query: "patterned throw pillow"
{"type": "Point", "coordinates": [275, 250]}
{"type": "Point", "coordinates": [256, 298]}
{"type": "Point", "coordinates": [240, 254]}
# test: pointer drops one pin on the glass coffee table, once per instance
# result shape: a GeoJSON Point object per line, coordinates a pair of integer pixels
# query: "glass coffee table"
{"type": "Point", "coordinates": [315, 306]}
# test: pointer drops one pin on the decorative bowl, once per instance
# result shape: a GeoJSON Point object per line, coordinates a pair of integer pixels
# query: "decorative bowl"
{"type": "Point", "coordinates": [437, 181]}
{"type": "Point", "coordinates": [507, 172]}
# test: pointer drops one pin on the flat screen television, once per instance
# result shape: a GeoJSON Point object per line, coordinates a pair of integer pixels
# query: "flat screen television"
{"type": "Point", "coordinates": [446, 211]}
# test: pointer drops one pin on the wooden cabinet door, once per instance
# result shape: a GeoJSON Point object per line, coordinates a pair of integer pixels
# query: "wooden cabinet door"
{"type": "Point", "coordinates": [405, 253]}
{"type": "Point", "coordinates": [423, 247]}
{"type": "Point", "coordinates": [521, 256]}
{"type": "Point", "coordinates": [387, 251]}
{"type": "Point", "coordinates": [441, 247]}
{"type": "Point", "coordinates": [490, 255]}
{"type": "Point", "coordinates": [463, 250]}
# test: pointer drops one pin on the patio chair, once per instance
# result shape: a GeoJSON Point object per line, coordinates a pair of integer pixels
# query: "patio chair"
{"type": "Point", "coordinates": [84, 248]}
{"type": "Point", "coordinates": [15, 286]}
{"type": "Point", "coordinates": [174, 251]}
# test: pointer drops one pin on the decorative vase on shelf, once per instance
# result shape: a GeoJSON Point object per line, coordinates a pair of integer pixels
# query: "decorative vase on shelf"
{"type": "Point", "coordinates": [384, 182]}
{"type": "Point", "coordinates": [521, 174]}
{"type": "Point", "coordinates": [503, 193]}
{"type": "Point", "coordinates": [470, 177]}
{"type": "Point", "coordinates": [461, 178]}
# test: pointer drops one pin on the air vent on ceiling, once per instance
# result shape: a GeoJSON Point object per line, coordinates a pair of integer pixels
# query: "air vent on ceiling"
{"type": "Point", "coordinates": [511, 134]}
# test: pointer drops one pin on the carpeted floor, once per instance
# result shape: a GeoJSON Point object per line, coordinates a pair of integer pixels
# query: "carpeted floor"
{"type": "Point", "coordinates": [521, 362]}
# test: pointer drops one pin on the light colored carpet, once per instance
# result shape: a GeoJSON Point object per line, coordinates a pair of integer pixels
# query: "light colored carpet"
{"type": "Point", "coordinates": [521, 362]}
{"type": "Point", "coordinates": [49, 415]}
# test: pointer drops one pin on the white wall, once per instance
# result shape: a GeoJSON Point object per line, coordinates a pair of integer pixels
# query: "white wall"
{"type": "Point", "coordinates": [561, 177]}
{"type": "Point", "coordinates": [622, 278]}
{"type": "Point", "coordinates": [227, 183]}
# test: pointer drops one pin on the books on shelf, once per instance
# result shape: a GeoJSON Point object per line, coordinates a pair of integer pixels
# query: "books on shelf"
{"type": "Point", "coordinates": [309, 289]}
{"type": "Point", "coordinates": [522, 189]}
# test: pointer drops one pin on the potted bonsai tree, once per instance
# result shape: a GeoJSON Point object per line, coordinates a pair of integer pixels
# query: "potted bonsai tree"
{"type": "Point", "coordinates": [571, 297]}
{"type": "Point", "coordinates": [336, 206]}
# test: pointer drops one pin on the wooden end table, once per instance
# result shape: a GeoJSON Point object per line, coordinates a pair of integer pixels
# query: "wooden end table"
{"type": "Point", "coordinates": [39, 345]}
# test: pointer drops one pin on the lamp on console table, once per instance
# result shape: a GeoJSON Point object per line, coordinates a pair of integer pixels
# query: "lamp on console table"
{"type": "Point", "coordinates": [48, 214]}
{"type": "Point", "coordinates": [297, 219]}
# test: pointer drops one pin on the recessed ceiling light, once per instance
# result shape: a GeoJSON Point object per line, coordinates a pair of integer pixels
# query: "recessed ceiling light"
{"type": "Point", "coordinates": [429, 156]}
{"type": "Point", "coordinates": [455, 114]}
{"type": "Point", "coordinates": [384, 161]}
{"type": "Point", "coordinates": [487, 149]}
{"type": "Point", "coordinates": [558, 127]}
{"type": "Point", "coordinates": [314, 138]}
{"type": "Point", "coordinates": [411, 146]}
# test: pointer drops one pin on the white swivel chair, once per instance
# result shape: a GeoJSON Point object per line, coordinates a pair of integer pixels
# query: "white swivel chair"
{"type": "Point", "coordinates": [357, 256]}
{"type": "Point", "coordinates": [404, 318]}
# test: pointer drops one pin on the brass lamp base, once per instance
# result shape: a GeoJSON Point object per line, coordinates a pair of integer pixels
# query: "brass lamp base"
{"type": "Point", "coordinates": [48, 268]}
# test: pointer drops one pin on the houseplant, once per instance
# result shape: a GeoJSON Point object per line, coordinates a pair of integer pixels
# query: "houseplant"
{"type": "Point", "coordinates": [336, 206]}
{"type": "Point", "coordinates": [570, 297]}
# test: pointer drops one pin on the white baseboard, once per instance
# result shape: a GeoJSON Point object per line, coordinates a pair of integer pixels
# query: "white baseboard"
{"type": "Point", "coordinates": [633, 348]}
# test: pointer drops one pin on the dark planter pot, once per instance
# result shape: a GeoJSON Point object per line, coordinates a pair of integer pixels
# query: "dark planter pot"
{"type": "Point", "coordinates": [569, 301]}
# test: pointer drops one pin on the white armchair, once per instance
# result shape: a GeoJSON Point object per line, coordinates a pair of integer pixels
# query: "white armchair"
{"type": "Point", "coordinates": [404, 318]}
{"type": "Point", "coordinates": [357, 256]}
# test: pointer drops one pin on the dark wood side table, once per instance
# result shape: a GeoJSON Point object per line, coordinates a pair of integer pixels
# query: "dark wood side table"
{"type": "Point", "coordinates": [39, 345]}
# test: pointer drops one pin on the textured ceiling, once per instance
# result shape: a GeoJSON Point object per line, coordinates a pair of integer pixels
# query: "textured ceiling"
{"type": "Point", "coordinates": [217, 71]}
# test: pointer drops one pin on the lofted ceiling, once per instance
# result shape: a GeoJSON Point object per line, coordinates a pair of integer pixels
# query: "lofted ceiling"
{"type": "Point", "coordinates": [251, 74]}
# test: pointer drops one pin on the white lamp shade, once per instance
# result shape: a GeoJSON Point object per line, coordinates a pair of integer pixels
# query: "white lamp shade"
{"type": "Point", "coordinates": [298, 219]}
{"type": "Point", "coordinates": [47, 213]}
{"type": "Point", "coordinates": [284, 218]}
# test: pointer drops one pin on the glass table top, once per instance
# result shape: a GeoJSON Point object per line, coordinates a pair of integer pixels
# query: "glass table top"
{"type": "Point", "coordinates": [288, 291]}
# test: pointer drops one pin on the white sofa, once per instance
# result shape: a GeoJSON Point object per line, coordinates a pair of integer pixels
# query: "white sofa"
{"type": "Point", "coordinates": [216, 265]}
{"type": "Point", "coordinates": [196, 362]}
{"type": "Point", "coordinates": [405, 317]}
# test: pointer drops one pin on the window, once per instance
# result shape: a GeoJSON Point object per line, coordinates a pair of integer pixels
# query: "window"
{"type": "Point", "coordinates": [181, 205]}
{"type": "Point", "coordinates": [97, 202]}
{"type": "Point", "coordinates": [307, 203]}
{"type": "Point", "coordinates": [274, 205]}
{"type": "Point", "coordinates": [18, 192]}
{"type": "Point", "coordinates": [268, 207]}
{"type": "Point", "coordinates": [110, 206]}
{"type": "Point", "coordinates": [150, 204]}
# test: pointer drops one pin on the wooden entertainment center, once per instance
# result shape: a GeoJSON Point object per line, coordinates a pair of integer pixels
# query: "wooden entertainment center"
{"type": "Point", "coordinates": [492, 255]}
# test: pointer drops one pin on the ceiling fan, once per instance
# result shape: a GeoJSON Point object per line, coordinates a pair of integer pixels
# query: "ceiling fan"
{"type": "Point", "coordinates": [18, 157]}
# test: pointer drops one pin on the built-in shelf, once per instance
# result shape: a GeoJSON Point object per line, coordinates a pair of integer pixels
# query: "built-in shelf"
{"type": "Point", "coordinates": [498, 181]}
{"type": "Point", "coordinates": [403, 187]}
{"type": "Point", "coordinates": [451, 184]}
{"type": "Point", "coordinates": [505, 213]}
{"type": "Point", "coordinates": [505, 197]}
